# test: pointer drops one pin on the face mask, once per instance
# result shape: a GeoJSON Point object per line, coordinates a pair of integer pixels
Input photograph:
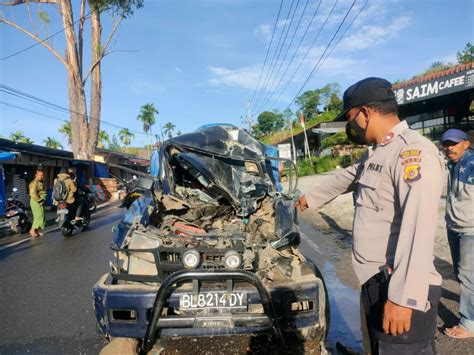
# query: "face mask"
{"type": "Point", "coordinates": [355, 133]}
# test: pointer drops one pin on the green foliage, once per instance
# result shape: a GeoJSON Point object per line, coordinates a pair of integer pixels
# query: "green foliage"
{"type": "Point", "coordinates": [335, 104]}
{"type": "Point", "coordinates": [147, 116]}
{"type": "Point", "coordinates": [467, 54]}
{"type": "Point", "coordinates": [126, 136]}
{"type": "Point", "coordinates": [19, 137]}
{"type": "Point", "coordinates": [44, 17]}
{"type": "Point", "coordinates": [169, 128]}
{"type": "Point", "coordinates": [178, 133]}
{"type": "Point", "coordinates": [339, 138]}
{"type": "Point", "coordinates": [65, 130]}
{"type": "Point", "coordinates": [52, 143]}
{"type": "Point", "coordinates": [283, 134]}
{"type": "Point", "coordinates": [267, 123]}
{"type": "Point", "coordinates": [308, 103]}
{"type": "Point", "coordinates": [102, 139]}
{"type": "Point", "coordinates": [123, 8]}
{"type": "Point", "coordinates": [318, 165]}
{"type": "Point", "coordinates": [114, 144]}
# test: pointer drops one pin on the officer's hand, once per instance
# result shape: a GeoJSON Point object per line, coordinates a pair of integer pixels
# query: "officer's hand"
{"type": "Point", "coordinates": [302, 204]}
{"type": "Point", "coordinates": [396, 318]}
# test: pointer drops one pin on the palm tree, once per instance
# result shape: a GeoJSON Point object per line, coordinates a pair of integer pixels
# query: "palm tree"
{"type": "Point", "coordinates": [19, 137]}
{"type": "Point", "coordinates": [52, 143]}
{"type": "Point", "coordinates": [169, 128]}
{"type": "Point", "coordinates": [103, 138]}
{"type": "Point", "coordinates": [126, 136]}
{"type": "Point", "coordinates": [147, 116]}
{"type": "Point", "coordinates": [66, 131]}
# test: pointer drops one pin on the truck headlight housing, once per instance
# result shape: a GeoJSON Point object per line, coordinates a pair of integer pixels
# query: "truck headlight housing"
{"type": "Point", "coordinates": [232, 260]}
{"type": "Point", "coordinates": [191, 259]}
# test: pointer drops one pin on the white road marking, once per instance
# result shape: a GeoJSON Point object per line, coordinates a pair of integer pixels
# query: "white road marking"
{"type": "Point", "coordinates": [54, 229]}
{"type": "Point", "coordinates": [311, 243]}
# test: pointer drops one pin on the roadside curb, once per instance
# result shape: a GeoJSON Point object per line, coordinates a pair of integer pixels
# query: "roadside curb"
{"type": "Point", "coordinates": [16, 239]}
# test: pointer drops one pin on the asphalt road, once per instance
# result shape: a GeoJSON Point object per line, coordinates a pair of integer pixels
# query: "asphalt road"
{"type": "Point", "coordinates": [46, 290]}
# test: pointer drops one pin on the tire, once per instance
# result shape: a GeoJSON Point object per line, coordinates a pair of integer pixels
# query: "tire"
{"type": "Point", "coordinates": [66, 231]}
{"type": "Point", "coordinates": [25, 227]}
{"type": "Point", "coordinates": [93, 204]}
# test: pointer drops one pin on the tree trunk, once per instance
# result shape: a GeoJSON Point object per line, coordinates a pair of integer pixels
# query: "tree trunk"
{"type": "Point", "coordinates": [96, 84]}
{"type": "Point", "coordinates": [77, 98]}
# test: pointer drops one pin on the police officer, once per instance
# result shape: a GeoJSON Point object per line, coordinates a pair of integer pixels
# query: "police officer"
{"type": "Point", "coordinates": [398, 182]}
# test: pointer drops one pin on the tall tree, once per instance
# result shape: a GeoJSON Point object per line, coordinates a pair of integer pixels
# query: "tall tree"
{"type": "Point", "coordinates": [308, 102]}
{"type": "Point", "coordinates": [85, 124]}
{"type": "Point", "coordinates": [52, 143]}
{"type": "Point", "coordinates": [103, 139]}
{"type": "Point", "coordinates": [169, 128]}
{"type": "Point", "coordinates": [65, 130]}
{"type": "Point", "coordinates": [268, 122]}
{"type": "Point", "coordinates": [114, 144]}
{"type": "Point", "coordinates": [19, 137]}
{"type": "Point", "coordinates": [467, 54]}
{"type": "Point", "coordinates": [147, 116]}
{"type": "Point", "coordinates": [126, 136]}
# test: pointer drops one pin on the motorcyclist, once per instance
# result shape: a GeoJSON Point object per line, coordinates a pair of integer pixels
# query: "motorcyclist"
{"type": "Point", "coordinates": [80, 195]}
{"type": "Point", "coordinates": [71, 188]}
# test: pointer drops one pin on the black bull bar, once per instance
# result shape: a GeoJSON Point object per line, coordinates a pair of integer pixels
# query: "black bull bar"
{"type": "Point", "coordinates": [203, 275]}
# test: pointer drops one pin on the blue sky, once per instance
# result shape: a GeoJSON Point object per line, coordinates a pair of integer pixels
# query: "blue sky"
{"type": "Point", "coordinates": [199, 61]}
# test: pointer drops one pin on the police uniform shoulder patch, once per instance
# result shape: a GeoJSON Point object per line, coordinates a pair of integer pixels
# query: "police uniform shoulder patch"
{"type": "Point", "coordinates": [411, 159]}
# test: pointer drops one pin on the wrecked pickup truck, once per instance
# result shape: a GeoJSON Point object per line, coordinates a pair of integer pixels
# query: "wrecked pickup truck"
{"type": "Point", "coordinates": [212, 248]}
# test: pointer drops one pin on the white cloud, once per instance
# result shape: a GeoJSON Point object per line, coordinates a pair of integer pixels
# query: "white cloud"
{"type": "Point", "coordinates": [245, 77]}
{"type": "Point", "coordinates": [372, 35]}
{"type": "Point", "coordinates": [178, 70]}
{"type": "Point", "coordinates": [142, 87]}
{"type": "Point", "coordinates": [263, 31]}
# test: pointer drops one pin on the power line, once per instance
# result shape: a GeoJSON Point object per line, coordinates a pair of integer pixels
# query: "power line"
{"type": "Point", "coordinates": [268, 50]}
{"type": "Point", "coordinates": [39, 101]}
{"type": "Point", "coordinates": [310, 76]}
{"type": "Point", "coordinates": [43, 40]}
{"type": "Point", "coordinates": [296, 51]}
{"type": "Point", "coordinates": [273, 61]}
{"type": "Point", "coordinates": [272, 87]}
{"type": "Point", "coordinates": [308, 51]}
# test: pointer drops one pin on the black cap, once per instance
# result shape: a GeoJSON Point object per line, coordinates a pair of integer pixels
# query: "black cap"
{"type": "Point", "coordinates": [366, 91]}
{"type": "Point", "coordinates": [63, 171]}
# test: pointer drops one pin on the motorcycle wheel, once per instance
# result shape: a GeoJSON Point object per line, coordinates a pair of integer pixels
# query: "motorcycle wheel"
{"type": "Point", "coordinates": [25, 227]}
{"type": "Point", "coordinates": [93, 204]}
{"type": "Point", "coordinates": [66, 231]}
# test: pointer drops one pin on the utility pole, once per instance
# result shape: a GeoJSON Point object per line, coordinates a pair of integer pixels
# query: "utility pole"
{"type": "Point", "coordinates": [249, 119]}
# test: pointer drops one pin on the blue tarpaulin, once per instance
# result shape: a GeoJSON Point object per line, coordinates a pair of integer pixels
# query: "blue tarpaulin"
{"type": "Point", "coordinates": [100, 170]}
{"type": "Point", "coordinates": [4, 156]}
{"type": "Point", "coordinates": [7, 156]}
{"type": "Point", "coordinates": [2, 193]}
{"type": "Point", "coordinates": [155, 163]}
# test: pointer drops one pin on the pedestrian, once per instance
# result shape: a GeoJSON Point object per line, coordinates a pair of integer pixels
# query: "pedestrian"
{"type": "Point", "coordinates": [460, 225]}
{"type": "Point", "coordinates": [37, 199]}
{"type": "Point", "coordinates": [398, 184]}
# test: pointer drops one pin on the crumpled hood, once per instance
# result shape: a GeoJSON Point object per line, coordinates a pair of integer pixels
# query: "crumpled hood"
{"type": "Point", "coordinates": [224, 141]}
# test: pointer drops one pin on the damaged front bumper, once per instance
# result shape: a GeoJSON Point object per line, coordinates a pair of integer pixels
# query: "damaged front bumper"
{"type": "Point", "coordinates": [141, 311]}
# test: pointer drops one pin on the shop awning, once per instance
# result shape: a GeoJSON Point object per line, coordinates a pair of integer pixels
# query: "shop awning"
{"type": "Point", "coordinates": [7, 156]}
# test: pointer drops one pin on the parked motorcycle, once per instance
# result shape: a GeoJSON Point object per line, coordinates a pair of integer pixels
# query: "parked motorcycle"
{"type": "Point", "coordinates": [67, 222]}
{"type": "Point", "coordinates": [16, 214]}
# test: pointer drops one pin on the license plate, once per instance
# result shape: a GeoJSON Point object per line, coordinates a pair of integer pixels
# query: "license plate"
{"type": "Point", "coordinates": [213, 300]}
{"type": "Point", "coordinates": [62, 211]}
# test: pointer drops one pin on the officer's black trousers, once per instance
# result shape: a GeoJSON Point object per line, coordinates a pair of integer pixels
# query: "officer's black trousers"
{"type": "Point", "coordinates": [420, 338]}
